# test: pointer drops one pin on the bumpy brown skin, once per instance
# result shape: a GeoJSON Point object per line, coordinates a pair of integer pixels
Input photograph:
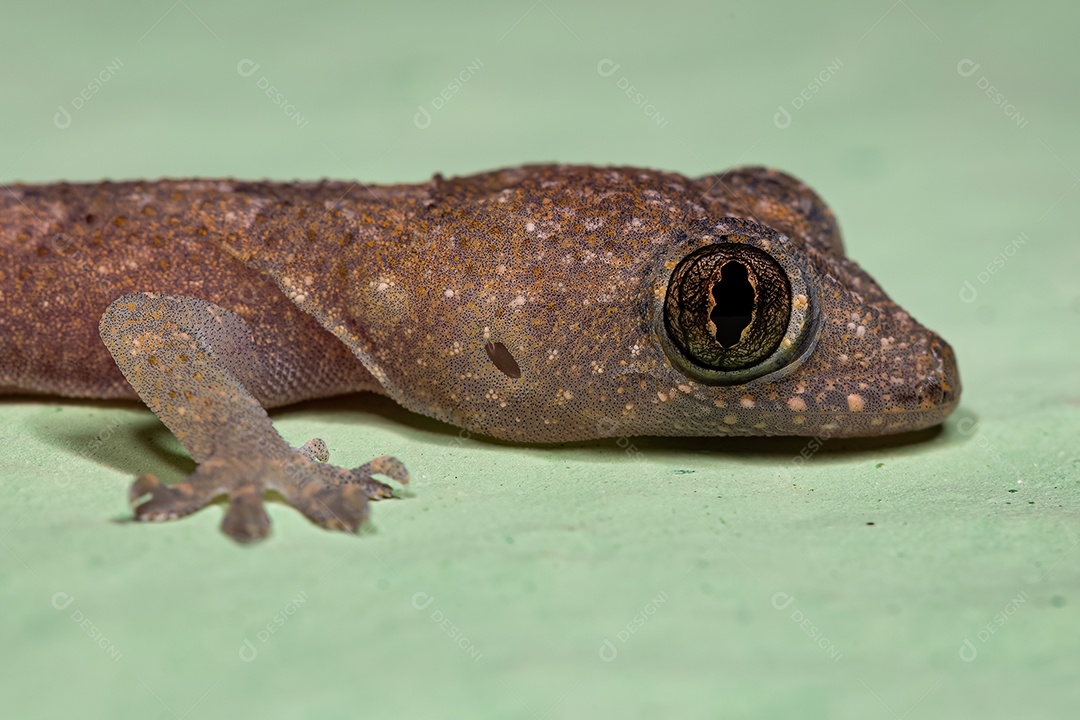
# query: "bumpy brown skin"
{"type": "Point", "coordinates": [406, 289]}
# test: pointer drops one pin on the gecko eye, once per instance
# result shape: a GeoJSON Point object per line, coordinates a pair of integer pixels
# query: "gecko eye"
{"type": "Point", "coordinates": [732, 313]}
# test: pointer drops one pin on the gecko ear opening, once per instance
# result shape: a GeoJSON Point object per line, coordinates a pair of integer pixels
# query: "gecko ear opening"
{"type": "Point", "coordinates": [734, 312]}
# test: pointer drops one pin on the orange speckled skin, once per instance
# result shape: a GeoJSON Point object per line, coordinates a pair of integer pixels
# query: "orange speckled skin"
{"type": "Point", "coordinates": [558, 263]}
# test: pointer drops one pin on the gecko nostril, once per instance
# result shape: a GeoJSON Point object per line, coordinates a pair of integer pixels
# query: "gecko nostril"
{"type": "Point", "coordinates": [735, 298]}
{"type": "Point", "coordinates": [930, 391]}
{"type": "Point", "coordinates": [949, 395]}
{"type": "Point", "coordinates": [925, 392]}
{"type": "Point", "coordinates": [947, 378]}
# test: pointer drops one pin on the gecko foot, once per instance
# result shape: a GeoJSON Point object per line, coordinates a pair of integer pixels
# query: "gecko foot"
{"type": "Point", "coordinates": [387, 466]}
{"type": "Point", "coordinates": [195, 365]}
{"type": "Point", "coordinates": [332, 497]}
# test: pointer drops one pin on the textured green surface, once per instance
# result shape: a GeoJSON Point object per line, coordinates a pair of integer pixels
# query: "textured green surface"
{"type": "Point", "coordinates": [539, 557]}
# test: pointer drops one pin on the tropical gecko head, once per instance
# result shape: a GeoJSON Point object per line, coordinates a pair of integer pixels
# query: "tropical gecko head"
{"type": "Point", "coordinates": [763, 335]}
{"type": "Point", "coordinates": [559, 303]}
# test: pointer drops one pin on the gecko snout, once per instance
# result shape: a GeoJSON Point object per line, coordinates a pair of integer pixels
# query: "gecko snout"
{"type": "Point", "coordinates": [946, 378]}
{"type": "Point", "coordinates": [936, 391]}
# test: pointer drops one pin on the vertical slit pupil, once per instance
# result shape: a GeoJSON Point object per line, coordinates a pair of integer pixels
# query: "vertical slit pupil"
{"type": "Point", "coordinates": [734, 296]}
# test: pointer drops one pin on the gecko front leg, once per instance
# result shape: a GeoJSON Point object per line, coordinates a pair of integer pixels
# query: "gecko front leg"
{"type": "Point", "coordinates": [194, 364]}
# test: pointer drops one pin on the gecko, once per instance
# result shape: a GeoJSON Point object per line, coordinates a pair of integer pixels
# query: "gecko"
{"type": "Point", "coordinates": [535, 304]}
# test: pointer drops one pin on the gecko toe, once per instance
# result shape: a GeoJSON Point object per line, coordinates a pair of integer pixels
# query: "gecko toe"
{"type": "Point", "coordinates": [144, 485]}
{"type": "Point", "coordinates": [387, 466]}
{"type": "Point", "coordinates": [246, 519]}
{"type": "Point", "coordinates": [335, 507]}
{"type": "Point", "coordinates": [163, 503]}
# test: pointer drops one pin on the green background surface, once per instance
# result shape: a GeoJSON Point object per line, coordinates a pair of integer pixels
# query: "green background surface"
{"type": "Point", "coordinates": [675, 578]}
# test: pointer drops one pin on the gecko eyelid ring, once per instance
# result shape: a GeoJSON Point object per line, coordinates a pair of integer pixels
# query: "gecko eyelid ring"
{"type": "Point", "coordinates": [734, 312]}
